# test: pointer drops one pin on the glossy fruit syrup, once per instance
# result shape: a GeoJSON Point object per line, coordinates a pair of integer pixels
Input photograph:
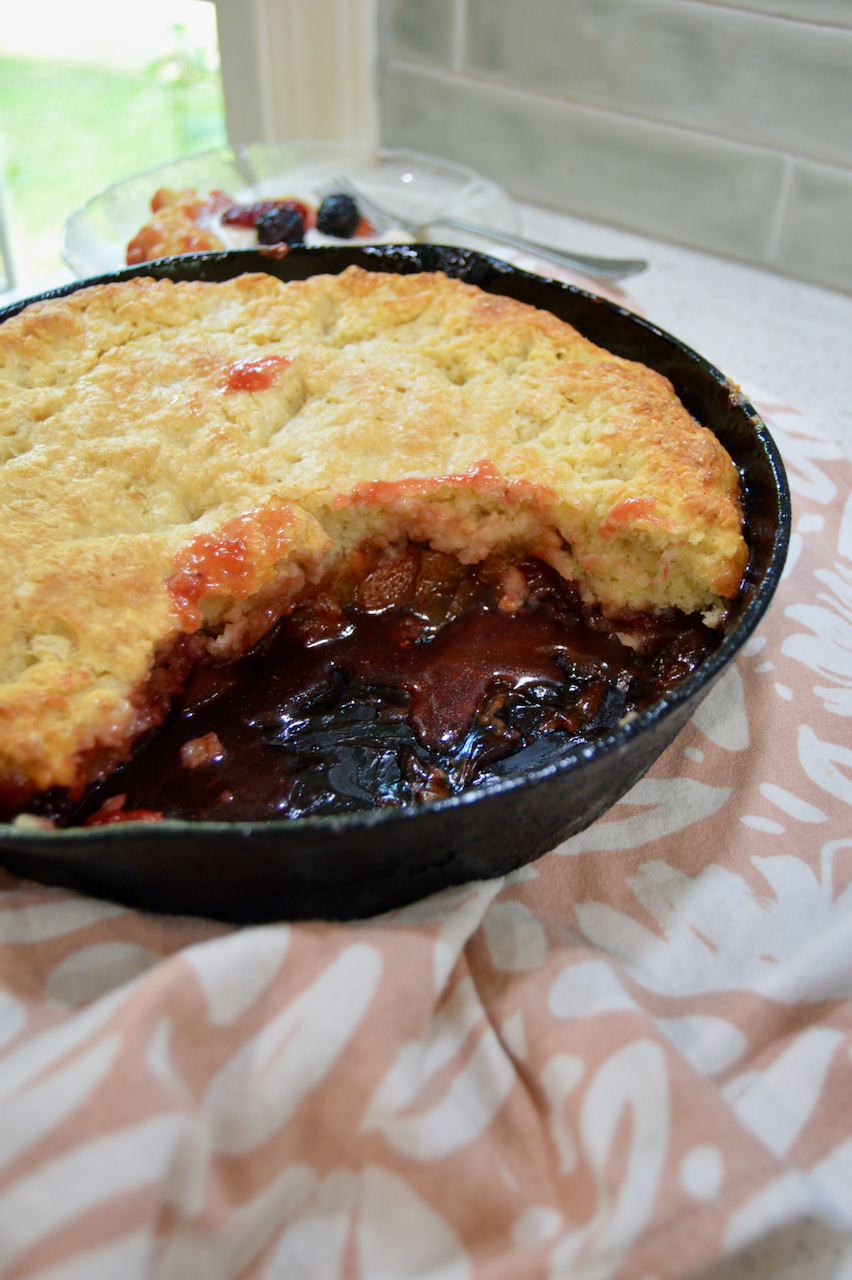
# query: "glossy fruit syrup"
{"type": "Point", "coordinates": [418, 679]}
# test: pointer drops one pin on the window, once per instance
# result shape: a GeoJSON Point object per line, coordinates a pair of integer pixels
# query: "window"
{"type": "Point", "coordinates": [91, 92]}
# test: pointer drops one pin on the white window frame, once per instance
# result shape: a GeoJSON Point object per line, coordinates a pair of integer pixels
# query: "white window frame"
{"type": "Point", "coordinates": [299, 69]}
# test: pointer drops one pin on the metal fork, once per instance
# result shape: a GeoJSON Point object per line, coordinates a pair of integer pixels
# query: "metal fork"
{"type": "Point", "coordinates": [382, 219]}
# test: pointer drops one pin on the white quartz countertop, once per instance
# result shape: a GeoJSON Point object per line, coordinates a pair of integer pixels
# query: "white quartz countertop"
{"type": "Point", "coordinates": [767, 332]}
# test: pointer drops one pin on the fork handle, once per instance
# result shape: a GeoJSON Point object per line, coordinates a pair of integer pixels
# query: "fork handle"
{"type": "Point", "coordinates": [603, 268]}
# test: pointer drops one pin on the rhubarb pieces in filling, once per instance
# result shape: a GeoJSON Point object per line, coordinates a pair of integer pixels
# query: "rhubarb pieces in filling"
{"type": "Point", "coordinates": [415, 679]}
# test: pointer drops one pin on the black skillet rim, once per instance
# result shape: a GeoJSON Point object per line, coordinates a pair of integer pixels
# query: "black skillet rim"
{"type": "Point", "coordinates": [480, 269]}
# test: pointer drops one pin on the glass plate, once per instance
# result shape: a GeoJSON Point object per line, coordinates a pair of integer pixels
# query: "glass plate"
{"type": "Point", "coordinates": [94, 238]}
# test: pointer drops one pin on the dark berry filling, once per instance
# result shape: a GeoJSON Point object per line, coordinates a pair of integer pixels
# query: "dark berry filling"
{"type": "Point", "coordinates": [414, 680]}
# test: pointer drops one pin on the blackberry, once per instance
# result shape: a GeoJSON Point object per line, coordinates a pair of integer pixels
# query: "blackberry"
{"type": "Point", "coordinates": [281, 225]}
{"type": "Point", "coordinates": [339, 216]}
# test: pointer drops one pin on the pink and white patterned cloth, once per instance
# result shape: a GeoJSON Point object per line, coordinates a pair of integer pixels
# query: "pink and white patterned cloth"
{"type": "Point", "coordinates": [622, 1061]}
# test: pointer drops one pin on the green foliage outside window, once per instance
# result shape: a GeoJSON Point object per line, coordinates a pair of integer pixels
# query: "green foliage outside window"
{"type": "Point", "coordinates": [68, 129]}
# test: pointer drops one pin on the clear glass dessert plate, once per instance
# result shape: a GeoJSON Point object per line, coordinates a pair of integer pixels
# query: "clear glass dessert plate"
{"type": "Point", "coordinates": [94, 238]}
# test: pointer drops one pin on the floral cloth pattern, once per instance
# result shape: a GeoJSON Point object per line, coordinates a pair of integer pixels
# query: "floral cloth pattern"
{"type": "Point", "coordinates": [620, 1062]}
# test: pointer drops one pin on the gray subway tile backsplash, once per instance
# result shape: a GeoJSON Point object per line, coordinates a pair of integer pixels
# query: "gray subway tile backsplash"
{"type": "Point", "coordinates": [690, 187]}
{"type": "Point", "coordinates": [679, 118]}
{"type": "Point", "coordinates": [739, 75]}
{"type": "Point", "coordinates": [419, 32]}
{"type": "Point", "coordinates": [816, 238]}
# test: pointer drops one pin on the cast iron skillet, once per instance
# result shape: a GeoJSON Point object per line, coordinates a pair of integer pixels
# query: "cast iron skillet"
{"type": "Point", "coordinates": [359, 864]}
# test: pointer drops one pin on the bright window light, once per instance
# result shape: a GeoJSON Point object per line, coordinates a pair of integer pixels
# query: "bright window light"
{"type": "Point", "coordinates": [91, 92]}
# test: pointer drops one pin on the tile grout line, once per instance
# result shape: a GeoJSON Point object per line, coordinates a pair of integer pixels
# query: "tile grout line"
{"type": "Point", "coordinates": [458, 30]}
{"type": "Point", "coordinates": [780, 214]}
{"type": "Point", "coordinates": [748, 11]}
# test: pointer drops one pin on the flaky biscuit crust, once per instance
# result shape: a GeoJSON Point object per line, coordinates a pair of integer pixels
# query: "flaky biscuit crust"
{"type": "Point", "coordinates": [183, 460]}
